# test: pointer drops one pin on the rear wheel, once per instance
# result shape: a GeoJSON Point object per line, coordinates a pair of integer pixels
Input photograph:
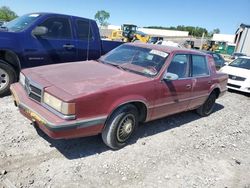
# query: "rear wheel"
{"type": "Point", "coordinates": [207, 108]}
{"type": "Point", "coordinates": [120, 126]}
{"type": "Point", "coordinates": [7, 77]}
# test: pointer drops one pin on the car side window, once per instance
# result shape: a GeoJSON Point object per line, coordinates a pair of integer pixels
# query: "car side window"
{"type": "Point", "coordinates": [84, 30]}
{"type": "Point", "coordinates": [199, 66]}
{"type": "Point", "coordinates": [58, 28]}
{"type": "Point", "coordinates": [179, 65]}
{"type": "Point", "coordinates": [216, 57]}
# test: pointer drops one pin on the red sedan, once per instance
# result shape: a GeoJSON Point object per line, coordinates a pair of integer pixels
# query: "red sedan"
{"type": "Point", "coordinates": [131, 84]}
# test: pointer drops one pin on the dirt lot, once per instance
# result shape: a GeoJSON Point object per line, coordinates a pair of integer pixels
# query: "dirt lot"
{"type": "Point", "coordinates": [183, 150]}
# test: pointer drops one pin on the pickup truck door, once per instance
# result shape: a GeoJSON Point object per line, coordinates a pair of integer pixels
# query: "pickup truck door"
{"type": "Point", "coordinates": [88, 39]}
{"type": "Point", "coordinates": [174, 96]}
{"type": "Point", "coordinates": [201, 80]}
{"type": "Point", "coordinates": [57, 46]}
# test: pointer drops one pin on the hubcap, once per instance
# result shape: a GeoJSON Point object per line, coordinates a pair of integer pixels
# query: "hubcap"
{"type": "Point", "coordinates": [4, 79]}
{"type": "Point", "coordinates": [125, 127]}
{"type": "Point", "coordinates": [128, 127]}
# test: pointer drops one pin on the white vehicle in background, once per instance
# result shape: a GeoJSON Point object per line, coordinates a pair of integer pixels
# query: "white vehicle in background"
{"type": "Point", "coordinates": [168, 43]}
{"type": "Point", "coordinates": [238, 74]}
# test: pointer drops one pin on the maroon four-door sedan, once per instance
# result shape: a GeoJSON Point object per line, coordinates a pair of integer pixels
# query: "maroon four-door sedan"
{"type": "Point", "coordinates": [131, 84]}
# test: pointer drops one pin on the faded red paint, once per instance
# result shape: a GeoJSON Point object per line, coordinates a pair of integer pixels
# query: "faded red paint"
{"type": "Point", "coordinates": [98, 89]}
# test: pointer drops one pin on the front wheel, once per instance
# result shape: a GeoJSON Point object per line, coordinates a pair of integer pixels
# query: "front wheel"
{"type": "Point", "coordinates": [207, 108]}
{"type": "Point", "coordinates": [120, 126]}
{"type": "Point", "coordinates": [7, 77]}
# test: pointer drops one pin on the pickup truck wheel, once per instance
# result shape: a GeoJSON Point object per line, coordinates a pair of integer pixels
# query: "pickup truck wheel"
{"type": "Point", "coordinates": [207, 108]}
{"type": "Point", "coordinates": [7, 77]}
{"type": "Point", "coordinates": [120, 126]}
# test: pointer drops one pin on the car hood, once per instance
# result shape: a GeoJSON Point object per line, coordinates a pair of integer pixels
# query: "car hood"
{"type": "Point", "coordinates": [82, 78]}
{"type": "Point", "coordinates": [236, 71]}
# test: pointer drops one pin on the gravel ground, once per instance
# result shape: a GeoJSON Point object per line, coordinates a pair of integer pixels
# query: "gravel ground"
{"type": "Point", "coordinates": [183, 150]}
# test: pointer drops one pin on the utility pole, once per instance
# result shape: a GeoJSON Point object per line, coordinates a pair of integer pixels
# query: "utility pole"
{"type": "Point", "coordinates": [202, 39]}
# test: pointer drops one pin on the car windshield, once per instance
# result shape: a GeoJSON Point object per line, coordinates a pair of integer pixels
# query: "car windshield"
{"type": "Point", "coordinates": [20, 23]}
{"type": "Point", "coordinates": [241, 63]}
{"type": "Point", "coordinates": [139, 60]}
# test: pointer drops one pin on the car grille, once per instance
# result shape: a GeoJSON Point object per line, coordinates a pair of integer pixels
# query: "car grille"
{"type": "Point", "coordinates": [233, 85]}
{"type": "Point", "coordinates": [33, 91]}
{"type": "Point", "coordinates": [238, 78]}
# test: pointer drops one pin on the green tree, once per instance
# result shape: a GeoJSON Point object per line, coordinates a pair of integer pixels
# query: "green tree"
{"type": "Point", "coordinates": [216, 31]}
{"type": "Point", "coordinates": [6, 14]}
{"type": "Point", "coordinates": [102, 16]}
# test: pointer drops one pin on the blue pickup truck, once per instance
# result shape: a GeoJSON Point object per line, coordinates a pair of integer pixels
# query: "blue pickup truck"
{"type": "Point", "coordinates": [46, 38]}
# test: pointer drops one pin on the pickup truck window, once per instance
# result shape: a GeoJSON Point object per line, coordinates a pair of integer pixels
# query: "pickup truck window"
{"type": "Point", "coordinates": [21, 23]}
{"type": "Point", "coordinates": [58, 28]}
{"type": "Point", "coordinates": [199, 66]}
{"type": "Point", "coordinates": [84, 30]}
{"type": "Point", "coordinates": [180, 65]}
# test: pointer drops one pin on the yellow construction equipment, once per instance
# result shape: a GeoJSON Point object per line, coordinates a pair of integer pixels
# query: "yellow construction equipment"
{"type": "Point", "coordinates": [129, 33]}
{"type": "Point", "coordinates": [116, 35]}
{"type": "Point", "coordinates": [210, 45]}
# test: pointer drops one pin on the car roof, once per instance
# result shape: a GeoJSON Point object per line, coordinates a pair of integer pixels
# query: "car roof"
{"type": "Point", "coordinates": [208, 52]}
{"type": "Point", "coordinates": [167, 49]}
{"type": "Point", "coordinates": [57, 14]}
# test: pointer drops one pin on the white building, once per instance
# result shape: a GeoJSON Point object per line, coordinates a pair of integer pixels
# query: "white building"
{"type": "Point", "coordinates": [242, 39]}
{"type": "Point", "coordinates": [163, 32]}
{"type": "Point", "coordinates": [223, 38]}
{"type": "Point", "coordinates": [157, 32]}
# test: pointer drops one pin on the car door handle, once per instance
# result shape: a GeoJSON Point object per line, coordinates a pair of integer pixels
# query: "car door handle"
{"type": "Point", "coordinates": [209, 82]}
{"type": "Point", "coordinates": [188, 86]}
{"type": "Point", "coordinates": [68, 46]}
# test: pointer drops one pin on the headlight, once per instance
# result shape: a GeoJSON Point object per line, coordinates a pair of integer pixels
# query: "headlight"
{"type": "Point", "coordinates": [59, 105]}
{"type": "Point", "coordinates": [22, 79]}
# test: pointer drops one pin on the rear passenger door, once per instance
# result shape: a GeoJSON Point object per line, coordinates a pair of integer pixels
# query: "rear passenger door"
{"type": "Point", "coordinates": [201, 80]}
{"type": "Point", "coordinates": [88, 47]}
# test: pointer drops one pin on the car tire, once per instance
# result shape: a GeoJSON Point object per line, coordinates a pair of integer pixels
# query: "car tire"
{"type": "Point", "coordinates": [208, 106]}
{"type": "Point", "coordinates": [120, 126]}
{"type": "Point", "coordinates": [7, 76]}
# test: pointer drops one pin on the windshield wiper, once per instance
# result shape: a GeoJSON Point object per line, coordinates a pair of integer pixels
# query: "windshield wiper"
{"type": "Point", "coordinates": [117, 66]}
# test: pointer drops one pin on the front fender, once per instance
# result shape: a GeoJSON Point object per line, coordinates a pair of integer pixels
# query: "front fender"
{"type": "Point", "coordinates": [9, 40]}
{"type": "Point", "coordinates": [126, 100]}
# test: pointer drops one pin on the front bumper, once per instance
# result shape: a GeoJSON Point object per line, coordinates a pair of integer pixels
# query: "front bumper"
{"type": "Point", "coordinates": [242, 86]}
{"type": "Point", "coordinates": [51, 124]}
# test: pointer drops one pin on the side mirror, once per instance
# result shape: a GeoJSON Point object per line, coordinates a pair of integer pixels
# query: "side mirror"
{"type": "Point", "coordinates": [39, 31]}
{"type": "Point", "coordinates": [168, 76]}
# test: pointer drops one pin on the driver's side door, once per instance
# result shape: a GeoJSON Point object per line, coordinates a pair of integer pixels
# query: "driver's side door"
{"type": "Point", "coordinates": [56, 46]}
{"type": "Point", "coordinates": [174, 96]}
